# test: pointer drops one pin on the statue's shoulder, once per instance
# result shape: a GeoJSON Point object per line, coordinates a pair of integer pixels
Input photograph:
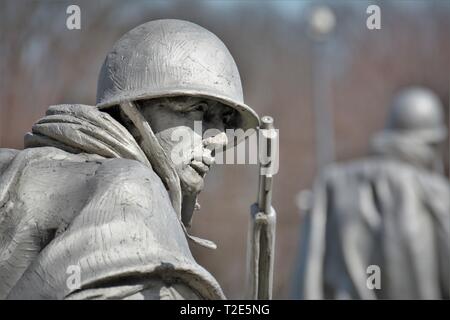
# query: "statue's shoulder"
{"type": "Point", "coordinates": [100, 172]}
{"type": "Point", "coordinates": [70, 108]}
{"type": "Point", "coordinates": [6, 156]}
{"type": "Point", "coordinates": [395, 172]}
{"type": "Point", "coordinates": [369, 166]}
{"type": "Point", "coordinates": [127, 173]}
{"type": "Point", "coordinates": [13, 159]}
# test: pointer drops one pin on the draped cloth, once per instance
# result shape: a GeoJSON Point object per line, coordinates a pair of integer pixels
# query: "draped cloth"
{"type": "Point", "coordinates": [380, 211]}
{"type": "Point", "coordinates": [82, 196]}
{"type": "Point", "coordinates": [84, 129]}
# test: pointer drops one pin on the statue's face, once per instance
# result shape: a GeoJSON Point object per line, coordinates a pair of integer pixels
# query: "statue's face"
{"type": "Point", "coordinates": [172, 120]}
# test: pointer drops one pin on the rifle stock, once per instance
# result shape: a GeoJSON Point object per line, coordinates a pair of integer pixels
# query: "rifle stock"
{"type": "Point", "coordinates": [261, 235]}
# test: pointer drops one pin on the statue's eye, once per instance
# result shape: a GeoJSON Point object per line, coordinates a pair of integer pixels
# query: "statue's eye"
{"type": "Point", "coordinates": [228, 117]}
{"type": "Point", "coordinates": [199, 107]}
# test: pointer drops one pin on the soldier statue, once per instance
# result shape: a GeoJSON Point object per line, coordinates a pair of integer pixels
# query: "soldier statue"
{"type": "Point", "coordinates": [378, 228]}
{"type": "Point", "coordinates": [96, 190]}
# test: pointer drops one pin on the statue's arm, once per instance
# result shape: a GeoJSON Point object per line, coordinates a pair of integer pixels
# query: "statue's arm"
{"type": "Point", "coordinates": [126, 242]}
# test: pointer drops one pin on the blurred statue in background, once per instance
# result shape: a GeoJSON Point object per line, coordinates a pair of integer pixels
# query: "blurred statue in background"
{"type": "Point", "coordinates": [387, 216]}
{"type": "Point", "coordinates": [96, 206]}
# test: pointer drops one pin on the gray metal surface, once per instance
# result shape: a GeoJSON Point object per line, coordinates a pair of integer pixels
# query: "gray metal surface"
{"type": "Point", "coordinates": [417, 111]}
{"type": "Point", "coordinates": [262, 227]}
{"type": "Point", "coordinates": [84, 194]}
{"type": "Point", "coordinates": [165, 58]}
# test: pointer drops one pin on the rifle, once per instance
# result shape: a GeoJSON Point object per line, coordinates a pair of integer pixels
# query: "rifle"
{"type": "Point", "coordinates": [261, 235]}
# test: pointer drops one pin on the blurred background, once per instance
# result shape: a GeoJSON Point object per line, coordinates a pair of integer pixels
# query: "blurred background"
{"type": "Point", "coordinates": [345, 77]}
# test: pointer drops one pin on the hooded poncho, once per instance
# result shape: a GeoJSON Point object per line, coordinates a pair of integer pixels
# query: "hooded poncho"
{"type": "Point", "coordinates": [83, 196]}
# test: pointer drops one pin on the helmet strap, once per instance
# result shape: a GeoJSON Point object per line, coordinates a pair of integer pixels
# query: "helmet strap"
{"type": "Point", "coordinates": [164, 169]}
{"type": "Point", "coordinates": [155, 153]}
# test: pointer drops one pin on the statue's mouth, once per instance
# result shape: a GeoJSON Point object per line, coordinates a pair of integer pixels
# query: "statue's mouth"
{"type": "Point", "coordinates": [199, 167]}
{"type": "Point", "coordinates": [202, 164]}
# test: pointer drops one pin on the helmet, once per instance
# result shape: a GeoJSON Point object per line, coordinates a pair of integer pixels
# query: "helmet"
{"type": "Point", "coordinates": [164, 58]}
{"type": "Point", "coordinates": [417, 111]}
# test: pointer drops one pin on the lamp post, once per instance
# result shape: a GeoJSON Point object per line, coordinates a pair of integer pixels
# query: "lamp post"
{"type": "Point", "coordinates": [321, 24]}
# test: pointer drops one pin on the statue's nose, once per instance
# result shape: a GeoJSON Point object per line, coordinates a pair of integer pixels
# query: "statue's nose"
{"type": "Point", "coordinates": [218, 141]}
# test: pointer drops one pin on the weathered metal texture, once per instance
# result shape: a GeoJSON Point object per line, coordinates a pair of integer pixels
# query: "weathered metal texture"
{"type": "Point", "coordinates": [417, 111]}
{"type": "Point", "coordinates": [164, 58]}
{"type": "Point", "coordinates": [83, 194]}
{"type": "Point", "coordinates": [262, 227]}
